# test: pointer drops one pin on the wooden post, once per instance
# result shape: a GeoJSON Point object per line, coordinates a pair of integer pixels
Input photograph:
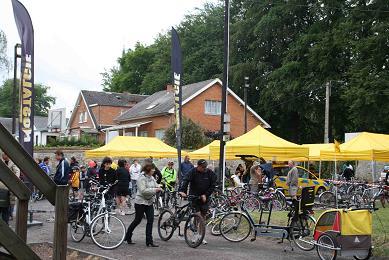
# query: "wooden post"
{"type": "Point", "coordinates": [21, 219]}
{"type": "Point", "coordinates": [61, 222]}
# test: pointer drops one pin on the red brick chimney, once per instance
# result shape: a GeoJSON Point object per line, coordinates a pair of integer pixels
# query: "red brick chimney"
{"type": "Point", "coordinates": [169, 88]}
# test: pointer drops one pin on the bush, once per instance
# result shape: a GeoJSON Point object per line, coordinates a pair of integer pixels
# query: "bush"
{"type": "Point", "coordinates": [192, 136]}
{"type": "Point", "coordinates": [84, 141]}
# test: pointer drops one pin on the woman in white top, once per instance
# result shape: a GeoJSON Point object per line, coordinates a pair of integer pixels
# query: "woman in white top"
{"type": "Point", "coordinates": [135, 170]}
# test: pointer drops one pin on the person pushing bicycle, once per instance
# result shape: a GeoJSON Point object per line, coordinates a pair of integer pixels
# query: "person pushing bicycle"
{"type": "Point", "coordinates": [202, 184]}
{"type": "Point", "coordinates": [169, 176]}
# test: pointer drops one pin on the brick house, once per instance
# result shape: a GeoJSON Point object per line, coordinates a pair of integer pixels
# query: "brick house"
{"type": "Point", "coordinates": [201, 103]}
{"type": "Point", "coordinates": [96, 110]}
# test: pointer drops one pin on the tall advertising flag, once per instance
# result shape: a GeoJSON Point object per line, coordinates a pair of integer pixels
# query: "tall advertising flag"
{"type": "Point", "coordinates": [176, 63]}
{"type": "Point", "coordinates": [26, 113]}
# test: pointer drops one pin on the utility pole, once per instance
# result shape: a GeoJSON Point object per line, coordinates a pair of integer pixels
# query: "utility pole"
{"type": "Point", "coordinates": [14, 115]}
{"type": "Point", "coordinates": [246, 87]}
{"type": "Point", "coordinates": [327, 112]}
{"type": "Point", "coordinates": [224, 118]}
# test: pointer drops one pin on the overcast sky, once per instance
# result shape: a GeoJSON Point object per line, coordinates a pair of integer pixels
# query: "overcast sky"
{"type": "Point", "coordinates": [76, 40]}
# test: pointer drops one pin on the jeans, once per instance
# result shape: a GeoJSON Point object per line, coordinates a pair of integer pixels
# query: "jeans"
{"type": "Point", "coordinates": [140, 211]}
{"type": "Point", "coordinates": [134, 188]}
{"type": "Point", "coordinates": [4, 212]}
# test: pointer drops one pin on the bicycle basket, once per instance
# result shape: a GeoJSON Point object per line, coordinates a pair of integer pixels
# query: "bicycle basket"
{"type": "Point", "coordinates": [75, 209]}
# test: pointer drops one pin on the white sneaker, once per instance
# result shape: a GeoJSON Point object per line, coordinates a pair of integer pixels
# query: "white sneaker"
{"type": "Point", "coordinates": [122, 213]}
{"type": "Point", "coordinates": [204, 242]}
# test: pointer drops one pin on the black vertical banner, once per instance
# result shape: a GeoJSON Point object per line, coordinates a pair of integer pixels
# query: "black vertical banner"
{"type": "Point", "coordinates": [26, 113]}
{"type": "Point", "coordinates": [176, 63]}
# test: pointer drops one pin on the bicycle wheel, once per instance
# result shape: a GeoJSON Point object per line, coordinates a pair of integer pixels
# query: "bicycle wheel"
{"type": "Point", "coordinates": [327, 198]}
{"type": "Point", "coordinates": [302, 231]}
{"type": "Point", "coordinates": [252, 204]}
{"type": "Point", "coordinates": [111, 235]}
{"type": "Point", "coordinates": [276, 205]}
{"type": "Point", "coordinates": [235, 227]}
{"type": "Point", "coordinates": [279, 196]}
{"type": "Point", "coordinates": [166, 225]}
{"type": "Point", "coordinates": [194, 230]}
{"type": "Point", "coordinates": [78, 230]}
{"type": "Point", "coordinates": [215, 230]}
{"type": "Point", "coordinates": [364, 256]}
{"type": "Point", "coordinates": [325, 248]}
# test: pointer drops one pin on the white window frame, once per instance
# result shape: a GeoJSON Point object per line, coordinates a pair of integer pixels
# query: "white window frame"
{"type": "Point", "coordinates": [81, 117]}
{"type": "Point", "coordinates": [85, 117]}
{"type": "Point", "coordinates": [212, 107]}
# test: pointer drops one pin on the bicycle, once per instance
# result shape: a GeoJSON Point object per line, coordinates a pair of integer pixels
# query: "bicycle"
{"type": "Point", "coordinates": [194, 229]}
{"type": "Point", "coordinates": [236, 226]}
{"type": "Point", "coordinates": [106, 230]}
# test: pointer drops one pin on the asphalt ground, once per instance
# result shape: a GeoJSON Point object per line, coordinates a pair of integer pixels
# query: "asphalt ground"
{"type": "Point", "coordinates": [175, 248]}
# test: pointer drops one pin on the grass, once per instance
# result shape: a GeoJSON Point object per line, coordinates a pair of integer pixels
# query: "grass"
{"type": "Point", "coordinates": [380, 227]}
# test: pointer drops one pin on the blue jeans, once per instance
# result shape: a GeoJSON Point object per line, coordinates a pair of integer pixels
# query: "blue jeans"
{"type": "Point", "coordinates": [134, 188]}
{"type": "Point", "coordinates": [4, 212]}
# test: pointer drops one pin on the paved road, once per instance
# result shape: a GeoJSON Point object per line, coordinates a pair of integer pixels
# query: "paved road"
{"type": "Point", "coordinates": [176, 248]}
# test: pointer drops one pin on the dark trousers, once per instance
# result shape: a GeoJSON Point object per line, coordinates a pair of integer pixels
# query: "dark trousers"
{"type": "Point", "coordinates": [140, 211]}
{"type": "Point", "coordinates": [4, 212]}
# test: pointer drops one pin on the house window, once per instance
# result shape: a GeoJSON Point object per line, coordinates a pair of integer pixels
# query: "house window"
{"type": "Point", "coordinates": [213, 107]}
{"type": "Point", "coordinates": [160, 133]}
{"type": "Point", "coordinates": [143, 133]}
{"type": "Point", "coordinates": [85, 117]}
{"type": "Point", "coordinates": [81, 117]}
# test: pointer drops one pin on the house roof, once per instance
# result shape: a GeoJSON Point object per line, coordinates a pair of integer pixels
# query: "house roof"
{"type": "Point", "coordinates": [100, 98]}
{"type": "Point", "coordinates": [162, 102]}
{"type": "Point", "coordinates": [110, 98]}
{"type": "Point", "coordinates": [40, 123]}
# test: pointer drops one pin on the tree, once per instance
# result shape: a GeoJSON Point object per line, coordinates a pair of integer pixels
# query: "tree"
{"type": "Point", "coordinates": [192, 135]}
{"type": "Point", "coordinates": [4, 64]}
{"type": "Point", "coordinates": [43, 101]}
{"type": "Point", "coordinates": [290, 50]}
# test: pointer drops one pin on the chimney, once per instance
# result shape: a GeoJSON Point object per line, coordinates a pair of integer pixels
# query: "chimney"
{"type": "Point", "coordinates": [169, 88]}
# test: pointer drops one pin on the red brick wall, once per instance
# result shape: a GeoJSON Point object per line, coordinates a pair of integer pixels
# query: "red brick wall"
{"type": "Point", "coordinates": [80, 109]}
{"type": "Point", "coordinates": [105, 115]}
{"type": "Point", "coordinates": [195, 110]}
{"type": "Point", "coordinates": [158, 122]}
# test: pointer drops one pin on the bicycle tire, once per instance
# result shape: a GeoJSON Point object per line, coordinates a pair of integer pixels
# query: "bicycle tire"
{"type": "Point", "coordinates": [366, 257]}
{"type": "Point", "coordinates": [330, 242]}
{"type": "Point", "coordinates": [327, 198]}
{"type": "Point", "coordinates": [231, 222]}
{"type": "Point", "coordinates": [194, 223]}
{"type": "Point", "coordinates": [303, 242]}
{"type": "Point", "coordinates": [167, 223]}
{"type": "Point", "coordinates": [215, 230]}
{"type": "Point", "coordinates": [113, 229]}
{"type": "Point", "coordinates": [78, 225]}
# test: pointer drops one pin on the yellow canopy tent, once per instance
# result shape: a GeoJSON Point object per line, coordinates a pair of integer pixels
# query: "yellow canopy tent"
{"type": "Point", "coordinates": [261, 143]}
{"type": "Point", "coordinates": [133, 146]}
{"type": "Point", "coordinates": [314, 151]}
{"type": "Point", "coordinates": [365, 146]}
{"type": "Point", "coordinates": [204, 153]}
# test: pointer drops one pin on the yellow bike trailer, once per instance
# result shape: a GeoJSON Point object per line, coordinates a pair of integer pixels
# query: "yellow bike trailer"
{"type": "Point", "coordinates": [345, 232]}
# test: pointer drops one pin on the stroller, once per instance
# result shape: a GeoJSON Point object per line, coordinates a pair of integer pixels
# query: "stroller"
{"type": "Point", "coordinates": [345, 232]}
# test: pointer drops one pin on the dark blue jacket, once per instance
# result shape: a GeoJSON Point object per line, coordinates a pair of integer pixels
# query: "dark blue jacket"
{"type": "Point", "coordinates": [186, 167]}
{"type": "Point", "coordinates": [61, 176]}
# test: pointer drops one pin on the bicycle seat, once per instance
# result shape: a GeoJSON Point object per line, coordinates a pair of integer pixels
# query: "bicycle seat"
{"type": "Point", "coordinates": [264, 198]}
{"type": "Point", "coordinates": [289, 203]}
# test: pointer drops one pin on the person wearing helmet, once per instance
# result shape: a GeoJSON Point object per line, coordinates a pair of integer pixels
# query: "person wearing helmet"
{"type": "Point", "coordinates": [169, 176]}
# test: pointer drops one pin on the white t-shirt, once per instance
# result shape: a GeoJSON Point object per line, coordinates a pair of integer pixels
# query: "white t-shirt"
{"type": "Point", "coordinates": [135, 171]}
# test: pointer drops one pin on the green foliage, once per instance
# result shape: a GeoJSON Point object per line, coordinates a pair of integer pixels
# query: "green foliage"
{"type": "Point", "coordinates": [43, 101]}
{"type": "Point", "coordinates": [290, 50]}
{"type": "Point", "coordinates": [192, 137]}
{"type": "Point", "coordinates": [4, 64]}
{"type": "Point", "coordinates": [84, 141]}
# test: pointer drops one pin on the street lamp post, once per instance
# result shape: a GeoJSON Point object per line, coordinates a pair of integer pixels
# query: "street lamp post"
{"type": "Point", "coordinates": [246, 87]}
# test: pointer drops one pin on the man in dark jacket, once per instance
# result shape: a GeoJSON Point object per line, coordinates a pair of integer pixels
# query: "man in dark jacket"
{"type": "Point", "coordinates": [61, 176]}
{"type": "Point", "coordinates": [186, 167]}
{"type": "Point", "coordinates": [202, 184]}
